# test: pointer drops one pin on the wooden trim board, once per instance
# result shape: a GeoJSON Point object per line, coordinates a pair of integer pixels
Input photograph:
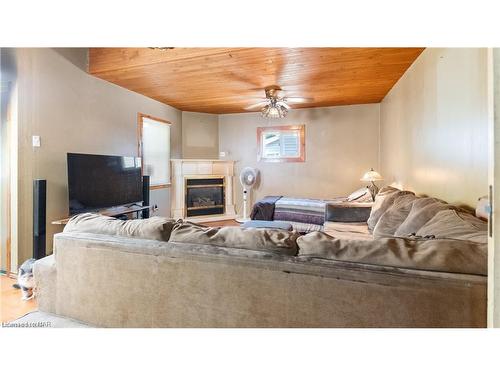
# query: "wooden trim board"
{"type": "Point", "coordinates": [140, 122]}
{"type": "Point", "coordinates": [302, 135]}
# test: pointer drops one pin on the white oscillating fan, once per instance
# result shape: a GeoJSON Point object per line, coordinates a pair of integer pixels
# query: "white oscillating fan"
{"type": "Point", "coordinates": [248, 178]}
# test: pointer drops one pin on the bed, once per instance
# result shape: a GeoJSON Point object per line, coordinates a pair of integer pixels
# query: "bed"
{"type": "Point", "coordinates": [305, 215]}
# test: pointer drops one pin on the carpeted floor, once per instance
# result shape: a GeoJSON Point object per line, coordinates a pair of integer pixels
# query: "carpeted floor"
{"type": "Point", "coordinates": [39, 319]}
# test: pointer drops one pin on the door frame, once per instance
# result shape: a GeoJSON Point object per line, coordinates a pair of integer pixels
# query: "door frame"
{"type": "Point", "coordinates": [7, 196]}
{"type": "Point", "coordinates": [493, 86]}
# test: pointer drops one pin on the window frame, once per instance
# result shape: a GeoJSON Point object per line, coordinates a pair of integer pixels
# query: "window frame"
{"type": "Point", "coordinates": [285, 128]}
{"type": "Point", "coordinates": [140, 146]}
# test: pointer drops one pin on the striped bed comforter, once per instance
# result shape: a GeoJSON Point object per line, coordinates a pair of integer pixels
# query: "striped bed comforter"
{"type": "Point", "coordinates": [310, 211]}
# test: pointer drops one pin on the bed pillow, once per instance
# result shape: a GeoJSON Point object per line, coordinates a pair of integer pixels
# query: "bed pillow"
{"type": "Point", "coordinates": [431, 255]}
{"type": "Point", "coordinates": [455, 225]}
{"type": "Point", "coordinates": [359, 195]}
{"type": "Point", "coordinates": [154, 228]}
{"type": "Point", "coordinates": [383, 201]}
{"type": "Point", "coordinates": [421, 212]}
{"type": "Point", "coordinates": [277, 241]}
{"type": "Point", "coordinates": [390, 221]}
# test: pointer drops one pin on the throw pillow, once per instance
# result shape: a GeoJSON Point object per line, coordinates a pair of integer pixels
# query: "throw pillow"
{"type": "Point", "coordinates": [383, 201]}
{"type": "Point", "coordinates": [154, 228]}
{"type": "Point", "coordinates": [421, 212]}
{"type": "Point", "coordinates": [263, 239]}
{"type": "Point", "coordinates": [390, 221]}
{"type": "Point", "coordinates": [483, 208]}
{"type": "Point", "coordinates": [358, 195]}
{"type": "Point", "coordinates": [455, 225]}
{"type": "Point", "coordinates": [432, 255]}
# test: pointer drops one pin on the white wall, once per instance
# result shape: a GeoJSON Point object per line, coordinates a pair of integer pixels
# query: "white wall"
{"type": "Point", "coordinates": [341, 144]}
{"type": "Point", "coordinates": [73, 111]}
{"type": "Point", "coordinates": [200, 135]}
{"type": "Point", "coordinates": [434, 128]}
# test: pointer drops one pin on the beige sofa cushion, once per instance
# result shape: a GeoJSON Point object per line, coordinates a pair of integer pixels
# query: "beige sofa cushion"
{"type": "Point", "coordinates": [390, 221]}
{"type": "Point", "coordinates": [422, 210]}
{"type": "Point", "coordinates": [262, 239]}
{"type": "Point", "coordinates": [154, 228]}
{"type": "Point", "coordinates": [383, 201]}
{"type": "Point", "coordinates": [357, 231]}
{"type": "Point", "coordinates": [455, 225]}
{"type": "Point", "coordinates": [432, 255]}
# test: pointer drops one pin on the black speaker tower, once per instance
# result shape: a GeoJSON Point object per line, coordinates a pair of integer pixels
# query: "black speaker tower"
{"type": "Point", "coordinates": [145, 196]}
{"type": "Point", "coordinates": [39, 217]}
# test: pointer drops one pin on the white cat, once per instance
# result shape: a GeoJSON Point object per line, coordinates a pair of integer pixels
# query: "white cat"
{"type": "Point", "coordinates": [25, 280]}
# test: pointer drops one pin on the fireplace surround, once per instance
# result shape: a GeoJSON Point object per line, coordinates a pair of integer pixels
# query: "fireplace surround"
{"type": "Point", "coordinates": [202, 189]}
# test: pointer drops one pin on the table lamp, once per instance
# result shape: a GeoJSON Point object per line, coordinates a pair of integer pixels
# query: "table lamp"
{"type": "Point", "coordinates": [372, 176]}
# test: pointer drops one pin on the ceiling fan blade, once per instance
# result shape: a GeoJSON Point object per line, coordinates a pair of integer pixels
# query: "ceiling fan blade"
{"type": "Point", "coordinates": [298, 100]}
{"type": "Point", "coordinates": [255, 106]}
{"type": "Point", "coordinates": [249, 98]}
{"type": "Point", "coordinates": [284, 104]}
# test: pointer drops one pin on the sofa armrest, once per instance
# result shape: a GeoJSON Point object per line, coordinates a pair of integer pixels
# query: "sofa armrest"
{"type": "Point", "coordinates": [45, 275]}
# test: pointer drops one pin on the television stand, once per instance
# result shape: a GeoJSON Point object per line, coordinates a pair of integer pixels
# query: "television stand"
{"type": "Point", "coordinates": [113, 212]}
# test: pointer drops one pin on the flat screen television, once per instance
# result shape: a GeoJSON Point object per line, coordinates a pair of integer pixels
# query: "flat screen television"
{"type": "Point", "coordinates": [101, 181]}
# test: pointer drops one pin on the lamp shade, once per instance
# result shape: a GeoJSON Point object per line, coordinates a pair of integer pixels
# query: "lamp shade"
{"type": "Point", "coordinates": [371, 175]}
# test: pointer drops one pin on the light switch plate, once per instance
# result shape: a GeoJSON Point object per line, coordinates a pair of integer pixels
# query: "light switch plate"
{"type": "Point", "coordinates": [36, 141]}
{"type": "Point", "coordinates": [222, 154]}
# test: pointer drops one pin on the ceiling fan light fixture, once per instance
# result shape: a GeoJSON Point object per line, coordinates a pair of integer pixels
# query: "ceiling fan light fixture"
{"type": "Point", "coordinates": [274, 110]}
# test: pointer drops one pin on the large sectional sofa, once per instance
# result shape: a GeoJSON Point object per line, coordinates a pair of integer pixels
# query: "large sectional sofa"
{"type": "Point", "coordinates": [163, 273]}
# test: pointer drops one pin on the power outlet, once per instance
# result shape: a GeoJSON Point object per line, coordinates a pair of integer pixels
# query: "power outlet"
{"type": "Point", "coordinates": [36, 141]}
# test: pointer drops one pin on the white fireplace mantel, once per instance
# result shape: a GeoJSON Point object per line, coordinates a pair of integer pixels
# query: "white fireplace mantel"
{"type": "Point", "coordinates": [201, 168]}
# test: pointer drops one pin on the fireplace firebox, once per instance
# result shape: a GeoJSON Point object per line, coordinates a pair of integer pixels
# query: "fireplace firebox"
{"type": "Point", "coordinates": [204, 196]}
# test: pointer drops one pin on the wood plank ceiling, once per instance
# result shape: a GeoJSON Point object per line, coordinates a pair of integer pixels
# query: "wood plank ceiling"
{"type": "Point", "coordinates": [226, 80]}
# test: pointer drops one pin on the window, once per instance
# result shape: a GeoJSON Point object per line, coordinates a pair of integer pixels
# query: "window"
{"type": "Point", "coordinates": [281, 143]}
{"type": "Point", "coordinates": [154, 148]}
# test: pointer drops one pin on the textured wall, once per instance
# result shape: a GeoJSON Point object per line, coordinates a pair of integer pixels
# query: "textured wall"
{"type": "Point", "coordinates": [200, 135]}
{"type": "Point", "coordinates": [341, 144]}
{"type": "Point", "coordinates": [434, 129]}
{"type": "Point", "coordinates": [73, 112]}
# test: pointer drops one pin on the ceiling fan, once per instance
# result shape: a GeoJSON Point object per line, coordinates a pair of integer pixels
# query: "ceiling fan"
{"type": "Point", "coordinates": [276, 104]}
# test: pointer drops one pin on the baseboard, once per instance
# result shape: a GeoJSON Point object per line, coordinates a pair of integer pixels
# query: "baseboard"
{"type": "Point", "coordinates": [11, 275]}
